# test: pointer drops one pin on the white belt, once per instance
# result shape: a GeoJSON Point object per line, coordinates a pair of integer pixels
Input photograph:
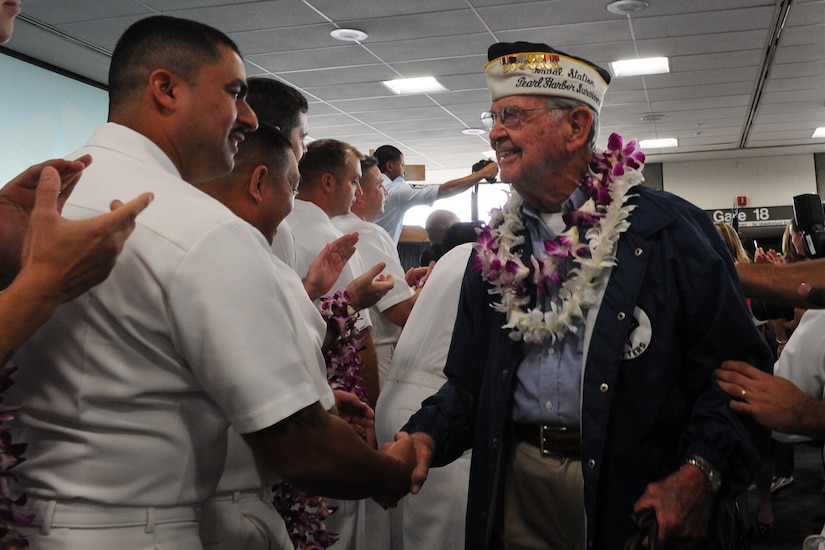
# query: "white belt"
{"type": "Point", "coordinates": [264, 493]}
{"type": "Point", "coordinates": [420, 379]}
{"type": "Point", "coordinates": [52, 514]}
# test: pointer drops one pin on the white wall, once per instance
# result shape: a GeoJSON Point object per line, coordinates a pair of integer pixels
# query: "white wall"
{"type": "Point", "coordinates": [765, 181]}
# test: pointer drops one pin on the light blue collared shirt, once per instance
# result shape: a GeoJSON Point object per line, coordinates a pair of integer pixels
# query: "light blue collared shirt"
{"type": "Point", "coordinates": [548, 381]}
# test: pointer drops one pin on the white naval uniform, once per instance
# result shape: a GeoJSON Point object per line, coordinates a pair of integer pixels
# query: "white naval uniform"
{"type": "Point", "coordinates": [375, 245]}
{"type": "Point", "coordinates": [129, 388]}
{"type": "Point", "coordinates": [283, 244]}
{"type": "Point", "coordinates": [434, 518]}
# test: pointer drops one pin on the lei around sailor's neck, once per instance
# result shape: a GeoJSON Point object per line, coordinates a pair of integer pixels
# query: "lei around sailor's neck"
{"type": "Point", "coordinates": [590, 241]}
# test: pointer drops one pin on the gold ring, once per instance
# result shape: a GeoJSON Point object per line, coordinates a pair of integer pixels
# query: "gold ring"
{"type": "Point", "coordinates": [744, 393]}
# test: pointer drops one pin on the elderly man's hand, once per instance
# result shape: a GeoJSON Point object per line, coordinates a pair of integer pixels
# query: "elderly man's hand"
{"type": "Point", "coordinates": [682, 505]}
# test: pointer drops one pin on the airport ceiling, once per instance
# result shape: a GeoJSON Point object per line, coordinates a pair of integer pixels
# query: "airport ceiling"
{"type": "Point", "coordinates": [747, 76]}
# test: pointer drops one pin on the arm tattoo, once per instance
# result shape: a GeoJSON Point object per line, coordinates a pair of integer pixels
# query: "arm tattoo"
{"type": "Point", "coordinates": [310, 417]}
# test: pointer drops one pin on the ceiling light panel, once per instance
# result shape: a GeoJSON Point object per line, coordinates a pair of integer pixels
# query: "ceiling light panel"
{"type": "Point", "coordinates": [422, 85]}
{"type": "Point", "coordinates": [639, 67]}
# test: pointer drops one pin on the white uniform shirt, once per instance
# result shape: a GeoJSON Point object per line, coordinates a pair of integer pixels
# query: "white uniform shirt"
{"type": "Point", "coordinates": [244, 469]}
{"type": "Point", "coordinates": [128, 388]}
{"type": "Point", "coordinates": [421, 351]}
{"type": "Point", "coordinates": [401, 196]}
{"type": "Point", "coordinates": [803, 361]}
{"type": "Point", "coordinates": [434, 518]}
{"type": "Point", "coordinates": [283, 244]}
{"type": "Point", "coordinates": [375, 245]}
{"type": "Point", "coordinates": [313, 230]}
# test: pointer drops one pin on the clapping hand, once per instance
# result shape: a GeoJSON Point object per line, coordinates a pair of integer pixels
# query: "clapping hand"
{"type": "Point", "coordinates": [366, 290]}
{"type": "Point", "coordinates": [328, 264]}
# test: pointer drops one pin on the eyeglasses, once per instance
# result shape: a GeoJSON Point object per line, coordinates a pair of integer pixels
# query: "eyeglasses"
{"type": "Point", "coordinates": [510, 116]}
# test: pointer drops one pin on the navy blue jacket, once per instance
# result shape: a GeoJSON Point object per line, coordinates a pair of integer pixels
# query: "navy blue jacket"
{"type": "Point", "coordinates": [644, 409]}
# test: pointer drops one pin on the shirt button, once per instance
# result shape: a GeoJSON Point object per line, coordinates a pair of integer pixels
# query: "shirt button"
{"type": "Point", "coordinates": [548, 405]}
{"type": "Point", "coordinates": [504, 374]}
{"type": "Point", "coordinates": [604, 388]}
{"type": "Point", "coordinates": [591, 463]}
{"type": "Point", "coordinates": [620, 316]}
{"type": "Point", "coordinates": [638, 252]}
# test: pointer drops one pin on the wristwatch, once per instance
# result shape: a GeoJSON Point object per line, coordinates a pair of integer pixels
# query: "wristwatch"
{"type": "Point", "coordinates": [714, 478]}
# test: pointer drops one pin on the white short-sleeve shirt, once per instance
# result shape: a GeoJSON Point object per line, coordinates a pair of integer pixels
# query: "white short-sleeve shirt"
{"type": "Point", "coordinates": [283, 244]}
{"type": "Point", "coordinates": [375, 245]}
{"type": "Point", "coordinates": [128, 388]}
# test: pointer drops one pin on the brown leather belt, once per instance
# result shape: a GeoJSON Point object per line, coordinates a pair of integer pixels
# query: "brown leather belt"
{"type": "Point", "coordinates": [549, 440]}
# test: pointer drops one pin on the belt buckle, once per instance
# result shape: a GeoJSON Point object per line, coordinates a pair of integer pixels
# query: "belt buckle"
{"type": "Point", "coordinates": [544, 428]}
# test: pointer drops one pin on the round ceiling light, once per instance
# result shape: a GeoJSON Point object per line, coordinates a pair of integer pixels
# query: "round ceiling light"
{"type": "Point", "coordinates": [473, 131]}
{"type": "Point", "coordinates": [625, 7]}
{"type": "Point", "coordinates": [349, 35]}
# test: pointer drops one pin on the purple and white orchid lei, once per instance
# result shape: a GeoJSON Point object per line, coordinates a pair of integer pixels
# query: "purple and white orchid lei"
{"type": "Point", "coordinates": [600, 220]}
{"type": "Point", "coordinates": [304, 514]}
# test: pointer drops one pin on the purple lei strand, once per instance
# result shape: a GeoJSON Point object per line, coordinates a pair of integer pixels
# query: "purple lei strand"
{"type": "Point", "coordinates": [343, 362]}
{"type": "Point", "coordinates": [10, 456]}
{"type": "Point", "coordinates": [304, 514]}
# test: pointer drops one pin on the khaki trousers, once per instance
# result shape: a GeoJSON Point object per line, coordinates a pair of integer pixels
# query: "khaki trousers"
{"type": "Point", "coordinates": [543, 504]}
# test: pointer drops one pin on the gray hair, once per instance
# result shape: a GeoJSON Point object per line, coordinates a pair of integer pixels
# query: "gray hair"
{"type": "Point", "coordinates": [566, 103]}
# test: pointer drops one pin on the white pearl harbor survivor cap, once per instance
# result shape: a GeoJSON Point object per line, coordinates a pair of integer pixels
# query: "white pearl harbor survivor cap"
{"type": "Point", "coordinates": [525, 68]}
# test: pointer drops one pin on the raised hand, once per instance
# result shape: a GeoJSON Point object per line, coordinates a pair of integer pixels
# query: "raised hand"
{"type": "Point", "coordinates": [370, 287]}
{"type": "Point", "coordinates": [17, 201]}
{"type": "Point", "coordinates": [328, 264]}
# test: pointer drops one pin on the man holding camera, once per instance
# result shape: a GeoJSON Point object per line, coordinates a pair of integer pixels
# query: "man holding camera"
{"type": "Point", "coordinates": [402, 196]}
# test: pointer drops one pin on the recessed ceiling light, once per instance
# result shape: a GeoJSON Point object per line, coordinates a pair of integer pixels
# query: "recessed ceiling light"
{"type": "Point", "coordinates": [658, 143]}
{"type": "Point", "coordinates": [422, 85]}
{"type": "Point", "coordinates": [624, 7]}
{"type": "Point", "coordinates": [653, 117]}
{"type": "Point", "coordinates": [819, 133]}
{"type": "Point", "coordinates": [638, 67]}
{"type": "Point", "coordinates": [473, 131]}
{"type": "Point", "coordinates": [349, 35]}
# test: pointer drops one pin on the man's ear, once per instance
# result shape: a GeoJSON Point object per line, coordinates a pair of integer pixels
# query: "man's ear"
{"type": "Point", "coordinates": [255, 183]}
{"type": "Point", "coordinates": [328, 183]}
{"type": "Point", "coordinates": [580, 119]}
{"type": "Point", "coordinates": [164, 87]}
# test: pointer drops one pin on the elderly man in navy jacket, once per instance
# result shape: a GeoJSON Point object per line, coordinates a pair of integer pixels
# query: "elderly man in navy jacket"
{"type": "Point", "coordinates": [592, 315]}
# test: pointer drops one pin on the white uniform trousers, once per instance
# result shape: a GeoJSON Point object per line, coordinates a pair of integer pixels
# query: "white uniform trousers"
{"type": "Point", "coordinates": [72, 526]}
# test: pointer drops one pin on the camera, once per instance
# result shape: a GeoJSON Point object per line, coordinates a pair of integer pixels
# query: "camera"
{"type": "Point", "coordinates": [763, 311]}
{"type": "Point", "coordinates": [481, 164]}
{"type": "Point", "coordinates": [809, 218]}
